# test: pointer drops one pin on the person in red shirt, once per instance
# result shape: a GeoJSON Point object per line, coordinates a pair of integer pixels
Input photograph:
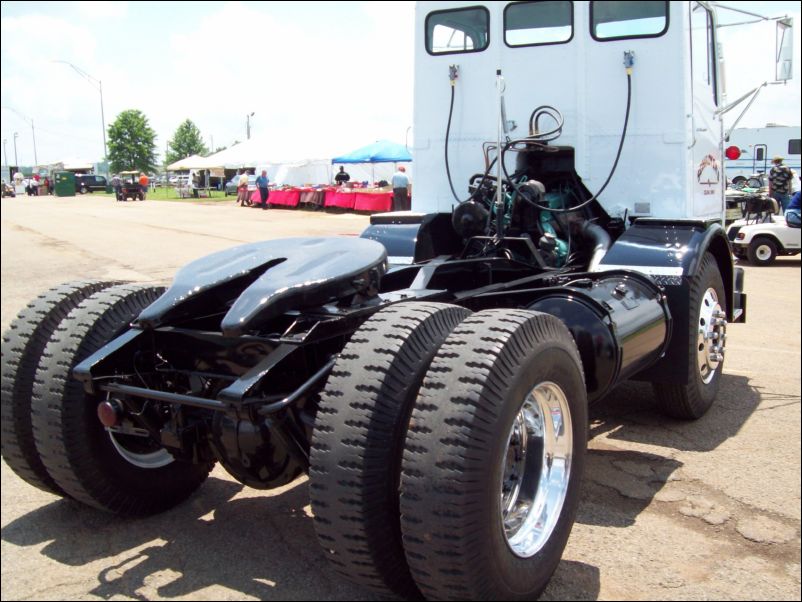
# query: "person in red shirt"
{"type": "Point", "coordinates": [143, 184]}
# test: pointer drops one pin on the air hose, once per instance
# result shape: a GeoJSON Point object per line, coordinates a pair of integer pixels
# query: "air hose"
{"type": "Point", "coordinates": [628, 62]}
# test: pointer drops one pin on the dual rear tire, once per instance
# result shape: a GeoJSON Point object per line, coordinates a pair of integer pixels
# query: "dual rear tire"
{"type": "Point", "coordinates": [52, 437]}
{"type": "Point", "coordinates": [454, 470]}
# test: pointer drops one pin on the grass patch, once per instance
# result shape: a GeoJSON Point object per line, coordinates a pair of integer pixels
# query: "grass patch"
{"type": "Point", "coordinates": [170, 194]}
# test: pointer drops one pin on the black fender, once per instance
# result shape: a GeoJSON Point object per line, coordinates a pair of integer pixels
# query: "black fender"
{"type": "Point", "coordinates": [671, 252]}
{"type": "Point", "coordinates": [411, 237]}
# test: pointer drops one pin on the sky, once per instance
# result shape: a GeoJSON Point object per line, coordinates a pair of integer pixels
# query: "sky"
{"type": "Point", "coordinates": [326, 77]}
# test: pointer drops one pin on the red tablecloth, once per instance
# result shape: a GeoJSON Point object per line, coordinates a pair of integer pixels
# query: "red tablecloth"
{"type": "Point", "coordinates": [335, 198]}
{"type": "Point", "coordinates": [373, 201]}
{"type": "Point", "coordinates": [288, 198]}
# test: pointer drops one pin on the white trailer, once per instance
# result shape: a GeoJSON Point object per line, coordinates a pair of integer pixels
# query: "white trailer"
{"type": "Point", "coordinates": [753, 149]}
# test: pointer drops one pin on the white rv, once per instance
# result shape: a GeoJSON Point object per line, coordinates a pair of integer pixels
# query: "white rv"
{"type": "Point", "coordinates": [749, 151]}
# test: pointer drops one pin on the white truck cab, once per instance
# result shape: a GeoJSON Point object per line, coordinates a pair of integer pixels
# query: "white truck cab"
{"type": "Point", "coordinates": [570, 55]}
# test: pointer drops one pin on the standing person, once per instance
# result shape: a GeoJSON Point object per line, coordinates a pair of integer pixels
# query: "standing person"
{"type": "Point", "coordinates": [780, 182]}
{"type": "Point", "coordinates": [342, 177]}
{"type": "Point", "coordinates": [242, 189]}
{"type": "Point", "coordinates": [792, 215]}
{"type": "Point", "coordinates": [117, 184]}
{"type": "Point", "coordinates": [262, 183]}
{"type": "Point", "coordinates": [143, 184]}
{"type": "Point", "coordinates": [35, 185]}
{"type": "Point", "coordinates": [400, 181]}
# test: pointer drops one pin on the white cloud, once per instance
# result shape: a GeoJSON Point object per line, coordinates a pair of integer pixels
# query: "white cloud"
{"type": "Point", "coordinates": [95, 9]}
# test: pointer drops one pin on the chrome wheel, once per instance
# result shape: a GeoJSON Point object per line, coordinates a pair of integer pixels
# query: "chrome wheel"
{"type": "Point", "coordinates": [536, 470]}
{"type": "Point", "coordinates": [712, 335]}
{"type": "Point", "coordinates": [140, 450]}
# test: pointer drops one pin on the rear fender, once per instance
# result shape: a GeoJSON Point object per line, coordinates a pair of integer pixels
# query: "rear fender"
{"type": "Point", "coordinates": [671, 252]}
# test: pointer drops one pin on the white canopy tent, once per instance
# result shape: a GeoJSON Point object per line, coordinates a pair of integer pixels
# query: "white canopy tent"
{"type": "Point", "coordinates": [288, 162]}
{"type": "Point", "coordinates": [194, 162]}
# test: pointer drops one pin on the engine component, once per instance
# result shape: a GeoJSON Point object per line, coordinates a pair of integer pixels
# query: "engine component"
{"type": "Point", "coordinates": [249, 451]}
{"type": "Point", "coordinates": [470, 219]}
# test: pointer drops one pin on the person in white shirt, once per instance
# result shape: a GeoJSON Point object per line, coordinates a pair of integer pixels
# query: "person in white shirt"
{"type": "Point", "coordinates": [400, 182]}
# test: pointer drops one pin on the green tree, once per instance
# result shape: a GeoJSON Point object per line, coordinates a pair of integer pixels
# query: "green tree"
{"type": "Point", "coordinates": [186, 141]}
{"type": "Point", "coordinates": [132, 142]}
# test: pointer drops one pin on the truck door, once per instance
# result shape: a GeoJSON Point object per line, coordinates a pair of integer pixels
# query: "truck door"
{"type": "Point", "coordinates": [708, 177]}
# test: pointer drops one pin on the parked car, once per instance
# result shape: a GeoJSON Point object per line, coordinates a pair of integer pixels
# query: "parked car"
{"type": "Point", "coordinates": [231, 185]}
{"type": "Point", "coordinates": [89, 183]}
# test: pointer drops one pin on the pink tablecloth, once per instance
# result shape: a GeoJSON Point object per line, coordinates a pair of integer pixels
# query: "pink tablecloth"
{"type": "Point", "coordinates": [345, 200]}
{"type": "Point", "coordinates": [373, 201]}
{"type": "Point", "coordinates": [288, 198]}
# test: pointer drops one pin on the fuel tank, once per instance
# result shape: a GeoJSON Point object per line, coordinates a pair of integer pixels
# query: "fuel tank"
{"type": "Point", "coordinates": [620, 322]}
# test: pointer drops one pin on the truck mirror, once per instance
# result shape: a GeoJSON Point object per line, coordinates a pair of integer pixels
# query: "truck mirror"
{"type": "Point", "coordinates": [785, 49]}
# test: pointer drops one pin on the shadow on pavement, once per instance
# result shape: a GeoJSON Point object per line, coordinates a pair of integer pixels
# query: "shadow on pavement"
{"type": "Point", "coordinates": [256, 546]}
{"type": "Point", "coordinates": [620, 484]}
{"type": "Point", "coordinates": [630, 413]}
{"type": "Point", "coordinates": [573, 581]}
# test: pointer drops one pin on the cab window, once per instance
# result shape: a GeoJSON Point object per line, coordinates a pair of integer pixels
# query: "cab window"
{"type": "Point", "coordinates": [458, 31]}
{"type": "Point", "coordinates": [537, 23]}
{"type": "Point", "coordinates": [624, 20]}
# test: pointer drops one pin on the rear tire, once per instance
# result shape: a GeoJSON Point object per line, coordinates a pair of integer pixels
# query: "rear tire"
{"type": "Point", "coordinates": [495, 449]}
{"type": "Point", "coordinates": [762, 251]}
{"type": "Point", "coordinates": [22, 347]}
{"type": "Point", "coordinates": [79, 454]}
{"type": "Point", "coordinates": [707, 303]}
{"type": "Point", "coordinates": [359, 439]}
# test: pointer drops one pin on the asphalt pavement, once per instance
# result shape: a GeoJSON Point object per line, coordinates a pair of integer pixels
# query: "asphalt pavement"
{"type": "Point", "coordinates": [670, 510]}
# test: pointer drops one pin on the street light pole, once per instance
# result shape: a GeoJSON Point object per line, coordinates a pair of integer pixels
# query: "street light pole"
{"type": "Point", "coordinates": [99, 84]}
{"type": "Point", "coordinates": [33, 133]}
{"type": "Point", "coordinates": [248, 124]}
{"type": "Point", "coordinates": [16, 161]}
{"type": "Point", "coordinates": [406, 138]}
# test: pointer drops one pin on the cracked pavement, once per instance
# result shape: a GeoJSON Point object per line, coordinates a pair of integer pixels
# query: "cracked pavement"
{"type": "Point", "coordinates": [670, 510]}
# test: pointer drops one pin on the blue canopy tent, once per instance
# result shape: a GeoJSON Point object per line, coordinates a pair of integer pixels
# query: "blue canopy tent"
{"type": "Point", "coordinates": [382, 151]}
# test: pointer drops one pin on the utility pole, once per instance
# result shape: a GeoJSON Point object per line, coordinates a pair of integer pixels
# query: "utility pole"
{"type": "Point", "coordinates": [99, 84]}
{"type": "Point", "coordinates": [16, 161]}
{"type": "Point", "coordinates": [248, 124]}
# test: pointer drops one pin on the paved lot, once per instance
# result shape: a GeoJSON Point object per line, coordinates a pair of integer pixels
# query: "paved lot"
{"type": "Point", "coordinates": [670, 510]}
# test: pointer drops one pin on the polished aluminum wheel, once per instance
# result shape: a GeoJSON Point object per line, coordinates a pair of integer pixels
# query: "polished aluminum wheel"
{"type": "Point", "coordinates": [536, 469]}
{"type": "Point", "coordinates": [711, 335]}
{"type": "Point", "coordinates": [140, 451]}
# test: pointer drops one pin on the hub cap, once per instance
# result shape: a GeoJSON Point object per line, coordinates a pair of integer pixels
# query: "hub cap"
{"type": "Point", "coordinates": [763, 252]}
{"type": "Point", "coordinates": [712, 335]}
{"type": "Point", "coordinates": [536, 469]}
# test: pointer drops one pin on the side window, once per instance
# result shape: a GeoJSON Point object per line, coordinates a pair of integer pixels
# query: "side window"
{"type": "Point", "coordinates": [458, 31]}
{"type": "Point", "coordinates": [794, 146]}
{"type": "Point", "coordinates": [622, 20]}
{"type": "Point", "coordinates": [539, 22]}
{"type": "Point", "coordinates": [702, 48]}
{"type": "Point", "coordinates": [760, 153]}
